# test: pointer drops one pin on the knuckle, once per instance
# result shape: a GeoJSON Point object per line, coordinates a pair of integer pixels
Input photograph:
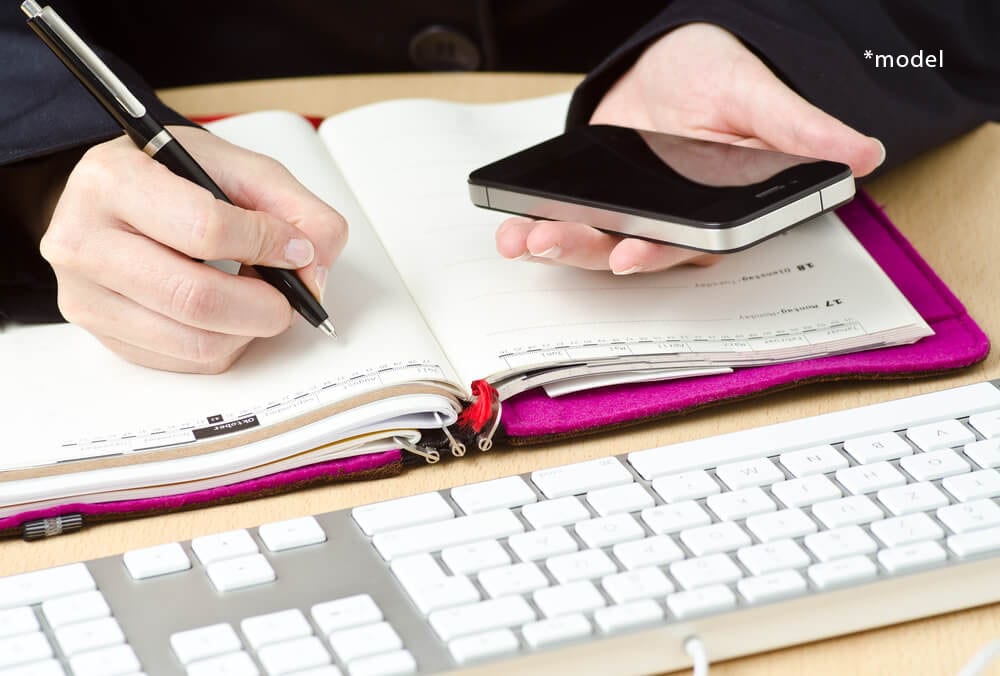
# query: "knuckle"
{"type": "Point", "coordinates": [207, 228]}
{"type": "Point", "coordinates": [204, 347]}
{"type": "Point", "coordinates": [335, 232]}
{"type": "Point", "coordinates": [61, 245]}
{"type": "Point", "coordinates": [190, 300]}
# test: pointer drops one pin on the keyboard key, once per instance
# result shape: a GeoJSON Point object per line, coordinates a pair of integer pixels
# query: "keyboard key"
{"type": "Point", "coordinates": [119, 659]}
{"type": "Point", "coordinates": [372, 639]}
{"type": "Point", "coordinates": [76, 608]}
{"type": "Point", "coordinates": [222, 546]}
{"type": "Point", "coordinates": [443, 593]}
{"type": "Point", "coordinates": [811, 461]}
{"type": "Point", "coordinates": [474, 557]}
{"type": "Point", "coordinates": [85, 636]}
{"type": "Point", "coordinates": [772, 586]}
{"type": "Point", "coordinates": [501, 613]}
{"type": "Point", "coordinates": [197, 644]}
{"type": "Point", "coordinates": [642, 583]}
{"type": "Point", "coordinates": [325, 670]}
{"type": "Point", "coordinates": [619, 499]}
{"type": "Point", "coordinates": [774, 556]}
{"type": "Point", "coordinates": [283, 625]}
{"type": "Point", "coordinates": [974, 486]}
{"type": "Point", "coordinates": [970, 516]}
{"type": "Point", "coordinates": [934, 465]}
{"type": "Point", "coordinates": [560, 512]}
{"type": "Point", "coordinates": [749, 473]}
{"type": "Point", "coordinates": [575, 597]}
{"type": "Point", "coordinates": [705, 571]}
{"type": "Point", "coordinates": [905, 530]}
{"type": "Point", "coordinates": [48, 667]}
{"type": "Point", "coordinates": [786, 523]}
{"type": "Point", "coordinates": [666, 519]}
{"type": "Point", "coordinates": [839, 543]}
{"type": "Point", "coordinates": [481, 646]}
{"type": "Point", "coordinates": [842, 572]}
{"type": "Point", "coordinates": [293, 655]}
{"type": "Point", "coordinates": [41, 585]}
{"type": "Point", "coordinates": [627, 616]}
{"type": "Point", "coordinates": [915, 497]}
{"type": "Point", "coordinates": [520, 578]}
{"type": "Point", "coordinates": [281, 536]}
{"type": "Point", "coordinates": [657, 550]}
{"type": "Point", "coordinates": [17, 621]}
{"type": "Point", "coordinates": [609, 530]}
{"type": "Point", "coordinates": [713, 599]}
{"type": "Point", "coordinates": [485, 496]}
{"type": "Point", "coordinates": [416, 570]}
{"type": "Point", "coordinates": [544, 633]}
{"type": "Point", "coordinates": [155, 561]}
{"type": "Point", "coordinates": [870, 478]}
{"type": "Point", "coordinates": [850, 511]}
{"type": "Point", "coordinates": [686, 486]}
{"type": "Point", "coordinates": [987, 424]}
{"type": "Point", "coordinates": [434, 536]}
{"type": "Point", "coordinates": [943, 434]}
{"type": "Point", "coordinates": [397, 663]}
{"type": "Point", "coordinates": [975, 542]}
{"type": "Point", "coordinates": [585, 565]}
{"type": "Point", "coordinates": [985, 453]}
{"type": "Point", "coordinates": [740, 504]}
{"type": "Point", "coordinates": [581, 477]}
{"type": "Point", "coordinates": [23, 649]}
{"type": "Point", "coordinates": [246, 571]}
{"type": "Point", "coordinates": [541, 544]}
{"type": "Point", "coordinates": [911, 557]}
{"type": "Point", "coordinates": [402, 512]}
{"type": "Point", "coordinates": [719, 537]}
{"type": "Point", "coordinates": [877, 447]}
{"type": "Point", "coordinates": [346, 612]}
{"type": "Point", "coordinates": [233, 664]}
{"type": "Point", "coordinates": [806, 491]}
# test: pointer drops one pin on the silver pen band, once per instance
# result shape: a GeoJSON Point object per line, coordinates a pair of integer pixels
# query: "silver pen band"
{"type": "Point", "coordinates": [157, 142]}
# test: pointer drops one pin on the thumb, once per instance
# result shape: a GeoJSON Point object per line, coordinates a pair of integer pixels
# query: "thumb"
{"type": "Point", "coordinates": [788, 123]}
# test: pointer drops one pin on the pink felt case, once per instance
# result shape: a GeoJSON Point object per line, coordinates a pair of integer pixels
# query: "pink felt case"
{"type": "Point", "coordinates": [533, 417]}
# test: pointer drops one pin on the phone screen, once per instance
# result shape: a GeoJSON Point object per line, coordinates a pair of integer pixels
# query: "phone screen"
{"type": "Point", "coordinates": [660, 175]}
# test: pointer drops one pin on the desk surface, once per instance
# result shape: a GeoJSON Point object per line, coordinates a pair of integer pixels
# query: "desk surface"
{"type": "Point", "coordinates": [946, 203]}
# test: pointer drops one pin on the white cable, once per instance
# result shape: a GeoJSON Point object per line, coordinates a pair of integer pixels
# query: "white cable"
{"type": "Point", "coordinates": [699, 656]}
{"type": "Point", "coordinates": [981, 660]}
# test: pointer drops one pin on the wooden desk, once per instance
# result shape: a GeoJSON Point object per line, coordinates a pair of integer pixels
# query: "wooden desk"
{"type": "Point", "coordinates": [946, 202]}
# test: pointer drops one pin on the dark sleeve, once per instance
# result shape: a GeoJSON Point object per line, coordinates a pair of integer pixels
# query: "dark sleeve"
{"type": "Point", "coordinates": [818, 48]}
{"type": "Point", "coordinates": [43, 109]}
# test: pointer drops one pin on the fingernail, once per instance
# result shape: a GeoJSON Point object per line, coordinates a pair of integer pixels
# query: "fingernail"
{"type": "Point", "coordinates": [321, 275]}
{"type": "Point", "coordinates": [882, 148]}
{"type": "Point", "coordinates": [551, 252]}
{"type": "Point", "coordinates": [630, 271]}
{"type": "Point", "coordinates": [299, 252]}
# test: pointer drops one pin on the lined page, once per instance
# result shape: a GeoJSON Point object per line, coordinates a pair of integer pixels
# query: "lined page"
{"type": "Point", "coordinates": [808, 291]}
{"type": "Point", "coordinates": [74, 399]}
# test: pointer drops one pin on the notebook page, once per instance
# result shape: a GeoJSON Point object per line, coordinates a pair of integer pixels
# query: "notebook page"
{"type": "Point", "coordinates": [806, 292]}
{"type": "Point", "coordinates": [71, 390]}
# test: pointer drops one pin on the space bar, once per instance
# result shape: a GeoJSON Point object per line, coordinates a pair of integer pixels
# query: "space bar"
{"type": "Point", "coordinates": [822, 429]}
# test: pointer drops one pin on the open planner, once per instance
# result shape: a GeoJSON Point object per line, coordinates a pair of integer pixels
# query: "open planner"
{"type": "Point", "coordinates": [425, 307]}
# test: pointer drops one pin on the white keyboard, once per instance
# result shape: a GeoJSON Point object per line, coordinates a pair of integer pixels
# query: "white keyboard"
{"type": "Point", "coordinates": [749, 541]}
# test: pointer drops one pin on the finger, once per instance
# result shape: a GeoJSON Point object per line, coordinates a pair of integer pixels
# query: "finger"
{"type": "Point", "coordinates": [263, 184]}
{"type": "Point", "coordinates": [106, 313]}
{"type": "Point", "coordinates": [573, 244]}
{"type": "Point", "coordinates": [172, 285]}
{"type": "Point", "coordinates": [636, 255]}
{"type": "Point", "coordinates": [787, 122]}
{"type": "Point", "coordinates": [161, 362]}
{"type": "Point", "coordinates": [512, 237]}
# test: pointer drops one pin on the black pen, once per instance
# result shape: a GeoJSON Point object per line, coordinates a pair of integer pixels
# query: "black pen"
{"type": "Point", "coordinates": [153, 139]}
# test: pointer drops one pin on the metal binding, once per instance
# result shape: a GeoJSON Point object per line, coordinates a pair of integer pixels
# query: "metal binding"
{"type": "Point", "coordinates": [457, 447]}
{"type": "Point", "coordinates": [431, 455]}
{"type": "Point", "coordinates": [46, 528]}
{"type": "Point", "coordinates": [486, 443]}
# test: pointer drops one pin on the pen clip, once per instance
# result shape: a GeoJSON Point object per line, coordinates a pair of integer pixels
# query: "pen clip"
{"type": "Point", "coordinates": [86, 56]}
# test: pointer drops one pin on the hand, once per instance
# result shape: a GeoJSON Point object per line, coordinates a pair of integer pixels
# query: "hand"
{"type": "Point", "coordinates": [700, 81]}
{"type": "Point", "coordinates": [125, 232]}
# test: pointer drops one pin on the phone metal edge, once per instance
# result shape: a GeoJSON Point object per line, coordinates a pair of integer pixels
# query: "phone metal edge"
{"type": "Point", "coordinates": [718, 240]}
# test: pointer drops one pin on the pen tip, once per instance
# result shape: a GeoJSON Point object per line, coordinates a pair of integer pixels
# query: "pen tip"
{"type": "Point", "coordinates": [327, 328]}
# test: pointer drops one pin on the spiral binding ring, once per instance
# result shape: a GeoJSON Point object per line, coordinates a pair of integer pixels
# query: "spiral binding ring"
{"type": "Point", "coordinates": [430, 455]}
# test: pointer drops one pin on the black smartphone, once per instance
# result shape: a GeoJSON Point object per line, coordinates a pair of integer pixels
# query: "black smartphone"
{"type": "Point", "coordinates": [696, 194]}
